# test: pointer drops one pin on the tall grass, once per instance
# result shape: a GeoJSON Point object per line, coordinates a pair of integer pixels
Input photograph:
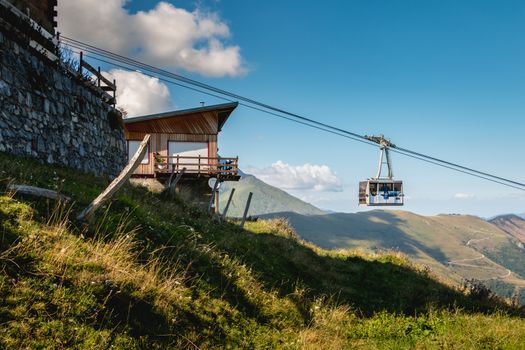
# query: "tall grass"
{"type": "Point", "coordinates": [151, 272]}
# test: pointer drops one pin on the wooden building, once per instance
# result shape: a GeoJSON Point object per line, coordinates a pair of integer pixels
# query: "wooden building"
{"type": "Point", "coordinates": [182, 139]}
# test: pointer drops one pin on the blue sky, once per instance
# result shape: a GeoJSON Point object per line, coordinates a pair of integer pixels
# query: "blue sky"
{"type": "Point", "coordinates": [445, 78]}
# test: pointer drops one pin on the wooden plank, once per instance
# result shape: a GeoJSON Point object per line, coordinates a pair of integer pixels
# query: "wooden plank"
{"type": "Point", "coordinates": [94, 71]}
{"type": "Point", "coordinates": [214, 158]}
{"type": "Point", "coordinates": [176, 181]}
{"type": "Point", "coordinates": [195, 170]}
{"type": "Point", "coordinates": [228, 204]}
{"type": "Point", "coordinates": [89, 67]}
{"type": "Point", "coordinates": [246, 209]}
{"type": "Point", "coordinates": [38, 192]}
{"type": "Point", "coordinates": [80, 64]}
{"type": "Point", "coordinates": [142, 169]}
{"type": "Point", "coordinates": [191, 124]}
{"type": "Point", "coordinates": [213, 194]}
{"type": "Point", "coordinates": [117, 183]}
{"type": "Point", "coordinates": [212, 146]}
{"type": "Point", "coordinates": [184, 137]}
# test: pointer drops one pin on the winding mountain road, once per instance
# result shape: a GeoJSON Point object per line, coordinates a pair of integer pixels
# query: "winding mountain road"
{"type": "Point", "coordinates": [461, 262]}
{"type": "Point", "coordinates": [473, 240]}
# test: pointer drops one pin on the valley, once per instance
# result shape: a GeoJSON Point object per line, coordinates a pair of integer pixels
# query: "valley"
{"type": "Point", "coordinates": [456, 248]}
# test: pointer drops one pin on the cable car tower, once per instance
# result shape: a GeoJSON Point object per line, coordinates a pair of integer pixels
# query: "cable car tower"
{"type": "Point", "coordinates": [378, 190]}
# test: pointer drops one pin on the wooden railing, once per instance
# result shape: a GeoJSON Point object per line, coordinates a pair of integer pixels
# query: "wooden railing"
{"type": "Point", "coordinates": [197, 165]}
{"type": "Point", "coordinates": [99, 78]}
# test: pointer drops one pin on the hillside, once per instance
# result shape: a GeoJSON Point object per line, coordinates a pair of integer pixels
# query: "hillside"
{"type": "Point", "coordinates": [150, 272]}
{"type": "Point", "coordinates": [266, 199]}
{"type": "Point", "coordinates": [514, 225]}
{"type": "Point", "coordinates": [455, 247]}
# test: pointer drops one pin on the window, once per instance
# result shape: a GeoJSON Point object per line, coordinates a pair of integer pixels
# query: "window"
{"type": "Point", "coordinates": [133, 146]}
{"type": "Point", "coordinates": [188, 149]}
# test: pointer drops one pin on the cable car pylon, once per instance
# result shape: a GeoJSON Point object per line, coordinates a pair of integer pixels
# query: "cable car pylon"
{"type": "Point", "coordinates": [378, 190]}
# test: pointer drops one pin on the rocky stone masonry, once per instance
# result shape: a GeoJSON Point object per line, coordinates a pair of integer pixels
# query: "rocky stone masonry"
{"type": "Point", "coordinates": [50, 115]}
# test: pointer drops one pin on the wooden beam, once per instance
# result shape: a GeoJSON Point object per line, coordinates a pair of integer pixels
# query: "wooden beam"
{"type": "Point", "coordinates": [38, 192]}
{"type": "Point", "coordinates": [216, 205]}
{"type": "Point", "coordinates": [246, 209]}
{"type": "Point", "coordinates": [176, 181]}
{"type": "Point", "coordinates": [167, 187]}
{"type": "Point", "coordinates": [117, 183]}
{"type": "Point", "coordinates": [228, 204]}
{"type": "Point", "coordinates": [96, 72]}
{"type": "Point", "coordinates": [80, 63]}
{"type": "Point", "coordinates": [213, 194]}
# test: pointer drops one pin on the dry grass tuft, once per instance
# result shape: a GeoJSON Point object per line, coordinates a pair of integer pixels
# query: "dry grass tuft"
{"type": "Point", "coordinates": [116, 261]}
{"type": "Point", "coordinates": [328, 328]}
{"type": "Point", "coordinates": [281, 227]}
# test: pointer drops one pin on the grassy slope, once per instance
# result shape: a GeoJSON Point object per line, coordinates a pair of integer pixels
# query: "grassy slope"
{"type": "Point", "coordinates": [429, 241]}
{"type": "Point", "coordinates": [514, 225]}
{"type": "Point", "coordinates": [150, 272]}
{"type": "Point", "coordinates": [266, 199]}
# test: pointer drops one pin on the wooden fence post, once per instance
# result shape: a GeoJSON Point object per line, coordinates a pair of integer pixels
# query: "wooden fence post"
{"type": "Point", "coordinates": [98, 77]}
{"type": "Point", "coordinates": [80, 63]}
{"type": "Point", "coordinates": [213, 195]}
{"type": "Point", "coordinates": [114, 186]}
{"type": "Point", "coordinates": [246, 209]}
{"type": "Point", "coordinates": [114, 92]}
{"type": "Point", "coordinates": [177, 178]}
{"type": "Point", "coordinates": [172, 173]}
{"type": "Point", "coordinates": [228, 204]}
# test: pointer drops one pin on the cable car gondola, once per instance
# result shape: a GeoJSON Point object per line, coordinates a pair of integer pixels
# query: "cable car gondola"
{"type": "Point", "coordinates": [382, 191]}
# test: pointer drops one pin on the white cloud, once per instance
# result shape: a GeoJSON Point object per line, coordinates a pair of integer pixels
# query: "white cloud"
{"type": "Point", "coordinates": [165, 35]}
{"type": "Point", "coordinates": [318, 178]}
{"type": "Point", "coordinates": [461, 195]}
{"type": "Point", "coordinates": [139, 94]}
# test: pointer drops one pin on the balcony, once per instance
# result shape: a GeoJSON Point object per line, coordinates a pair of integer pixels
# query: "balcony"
{"type": "Point", "coordinates": [224, 168]}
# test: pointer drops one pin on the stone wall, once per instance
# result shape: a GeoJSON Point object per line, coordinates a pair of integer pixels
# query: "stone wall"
{"type": "Point", "coordinates": [50, 114]}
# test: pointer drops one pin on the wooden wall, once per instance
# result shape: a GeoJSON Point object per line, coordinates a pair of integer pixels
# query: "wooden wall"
{"type": "Point", "coordinates": [203, 123]}
{"type": "Point", "coordinates": [159, 143]}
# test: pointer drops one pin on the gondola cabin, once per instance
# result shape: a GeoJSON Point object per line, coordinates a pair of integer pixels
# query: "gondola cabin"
{"type": "Point", "coordinates": [381, 192]}
{"type": "Point", "coordinates": [182, 139]}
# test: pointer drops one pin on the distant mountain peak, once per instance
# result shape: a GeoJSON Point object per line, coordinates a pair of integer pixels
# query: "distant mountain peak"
{"type": "Point", "coordinates": [242, 173]}
{"type": "Point", "coordinates": [507, 217]}
{"type": "Point", "coordinates": [266, 199]}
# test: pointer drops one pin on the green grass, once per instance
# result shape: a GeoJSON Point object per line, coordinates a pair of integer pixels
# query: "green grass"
{"type": "Point", "coordinates": [428, 240]}
{"type": "Point", "coordinates": [151, 272]}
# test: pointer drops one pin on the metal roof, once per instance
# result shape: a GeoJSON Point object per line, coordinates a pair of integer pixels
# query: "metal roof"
{"type": "Point", "coordinates": [224, 110]}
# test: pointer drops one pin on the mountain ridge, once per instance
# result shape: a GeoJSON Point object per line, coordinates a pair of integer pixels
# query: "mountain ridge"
{"type": "Point", "coordinates": [266, 199]}
{"type": "Point", "coordinates": [513, 225]}
{"type": "Point", "coordinates": [456, 247]}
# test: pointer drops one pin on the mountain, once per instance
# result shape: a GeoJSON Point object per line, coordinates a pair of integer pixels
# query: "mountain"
{"type": "Point", "coordinates": [522, 216]}
{"type": "Point", "coordinates": [266, 199]}
{"type": "Point", "coordinates": [456, 247]}
{"type": "Point", "coordinates": [512, 224]}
